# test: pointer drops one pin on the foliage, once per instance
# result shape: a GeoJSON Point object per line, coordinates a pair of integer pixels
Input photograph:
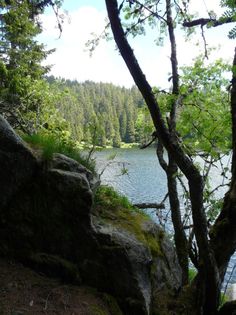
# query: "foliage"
{"type": "Point", "coordinates": [204, 119]}
{"type": "Point", "coordinates": [21, 71]}
{"type": "Point", "coordinates": [49, 144]}
{"type": "Point", "coordinates": [229, 14]}
{"type": "Point", "coordinates": [98, 113]}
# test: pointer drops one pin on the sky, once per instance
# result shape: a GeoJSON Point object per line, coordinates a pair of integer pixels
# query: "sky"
{"type": "Point", "coordinates": [84, 18]}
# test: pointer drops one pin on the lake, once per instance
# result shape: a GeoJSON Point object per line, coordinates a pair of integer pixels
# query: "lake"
{"type": "Point", "coordinates": [136, 174]}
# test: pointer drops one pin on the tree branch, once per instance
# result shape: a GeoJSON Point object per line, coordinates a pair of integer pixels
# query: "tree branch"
{"type": "Point", "coordinates": [149, 205]}
{"type": "Point", "coordinates": [213, 22]}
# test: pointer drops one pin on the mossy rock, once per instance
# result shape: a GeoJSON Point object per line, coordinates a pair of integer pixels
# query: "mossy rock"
{"type": "Point", "coordinates": [117, 210]}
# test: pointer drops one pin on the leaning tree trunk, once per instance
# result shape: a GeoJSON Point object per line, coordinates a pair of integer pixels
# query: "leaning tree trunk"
{"type": "Point", "coordinates": [208, 271]}
{"type": "Point", "coordinates": [223, 233]}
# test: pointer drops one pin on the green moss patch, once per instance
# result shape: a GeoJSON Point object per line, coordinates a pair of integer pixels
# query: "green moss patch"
{"type": "Point", "coordinates": [111, 207]}
{"type": "Point", "coordinates": [192, 274]}
{"type": "Point", "coordinates": [97, 310]}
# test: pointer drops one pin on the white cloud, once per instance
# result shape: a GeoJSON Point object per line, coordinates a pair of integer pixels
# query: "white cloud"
{"type": "Point", "coordinates": [73, 62]}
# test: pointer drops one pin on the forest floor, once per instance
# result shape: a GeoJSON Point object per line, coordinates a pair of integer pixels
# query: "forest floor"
{"type": "Point", "coordinates": [25, 292]}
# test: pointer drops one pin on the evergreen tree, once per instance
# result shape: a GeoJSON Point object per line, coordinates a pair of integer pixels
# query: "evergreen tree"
{"type": "Point", "coordinates": [20, 56]}
{"type": "Point", "coordinates": [111, 109]}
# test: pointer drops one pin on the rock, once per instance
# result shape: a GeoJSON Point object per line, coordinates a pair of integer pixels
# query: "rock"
{"type": "Point", "coordinates": [53, 266]}
{"type": "Point", "coordinates": [229, 308]}
{"type": "Point", "coordinates": [18, 164]}
{"type": "Point", "coordinates": [166, 272]}
{"type": "Point", "coordinates": [65, 163]}
{"type": "Point", "coordinates": [72, 191]}
{"type": "Point", "coordinates": [49, 216]}
{"type": "Point", "coordinates": [46, 221]}
{"type": "Point", "coordinates": [123, 269]}
{"type": "Point", "coordinates": [126, 268]}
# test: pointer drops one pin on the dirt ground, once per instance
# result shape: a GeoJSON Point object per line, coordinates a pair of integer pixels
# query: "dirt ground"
{"type": "Point", "coordinates": [25, 292]}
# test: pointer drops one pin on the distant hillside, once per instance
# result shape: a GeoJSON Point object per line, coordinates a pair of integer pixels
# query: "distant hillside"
{"type": "Point", "coordinates": [102, 113]}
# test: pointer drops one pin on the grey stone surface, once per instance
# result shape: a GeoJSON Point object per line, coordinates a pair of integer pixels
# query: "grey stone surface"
{"type": "Point", "coordinates": [47, 212]}
{"type": "Point", "coordinates": [65, 163]}
{"type": "Point", "coordinates": [17, 164]}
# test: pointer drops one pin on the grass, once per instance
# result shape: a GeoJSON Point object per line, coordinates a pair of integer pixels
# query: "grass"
{"type": "Point", "coordinates": [50, 145]}
{"type": "Point", "coordinates": [109, 198]}
{"type": "Point", "coordinates": [117, 210]}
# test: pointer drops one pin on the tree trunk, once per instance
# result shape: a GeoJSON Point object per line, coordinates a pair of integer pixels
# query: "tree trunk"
{"type": "Point", "coordinates": [172, 169]}
{"type": "Point", "coordinates": [181, 243]}
{"type": "Point", "coordinates": [208, 272]}
{"type": "Point", "coordinates": [223, 233]}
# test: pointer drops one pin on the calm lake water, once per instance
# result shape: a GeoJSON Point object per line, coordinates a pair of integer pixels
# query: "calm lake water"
{"type": "Point", "coordinates": [136, 174]}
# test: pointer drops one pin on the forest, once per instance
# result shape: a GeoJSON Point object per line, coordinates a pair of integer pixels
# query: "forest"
{"type": "Point", "coordinates": [193, 120]}
{"type": "Point", "coordinates": [102, 112]}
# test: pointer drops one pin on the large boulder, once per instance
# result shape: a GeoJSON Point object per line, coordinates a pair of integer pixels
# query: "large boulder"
{"type": "Point", "coordinates": [47, 220]}
{"type": "Point", "coordinates": [130, 269]}
{"type": "Point", "coordinates": [18, 164]}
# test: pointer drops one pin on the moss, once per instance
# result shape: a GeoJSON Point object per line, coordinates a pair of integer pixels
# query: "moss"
{"type": "Point", "coordinates": [111, 304]}
{"type": "Point", "coordinates": [107, 197]}
{"type": "Point", "coordinates": [117, 210]}
{"type": "Point", "coordinates": [165, 302]}
{"type": "Point", "coordinates": [153, 244]}
{"type": "Point", "coordinates": [97, 310]}
{"type": "Point", "coordinates": [191, 274]}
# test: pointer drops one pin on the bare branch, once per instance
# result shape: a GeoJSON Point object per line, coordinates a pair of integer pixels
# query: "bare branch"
{"type": "Point", "coordinates": [150, 10]}
{"type": "Point", "coordinates": [146, 145]}
{"type": "Point", "coordinates": [213, 22]}
{"type": "Point", "coordinates": [149, 205]}
{"type": "Point", "coordinates": [204, 41]}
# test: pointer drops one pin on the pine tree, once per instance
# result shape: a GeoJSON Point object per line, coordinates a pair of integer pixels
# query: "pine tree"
{"type": "Point", "coordinates": [20, 55]}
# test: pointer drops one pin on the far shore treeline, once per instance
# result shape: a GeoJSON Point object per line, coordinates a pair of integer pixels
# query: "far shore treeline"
{"type": "Point", "coordinates": [102, 112]}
